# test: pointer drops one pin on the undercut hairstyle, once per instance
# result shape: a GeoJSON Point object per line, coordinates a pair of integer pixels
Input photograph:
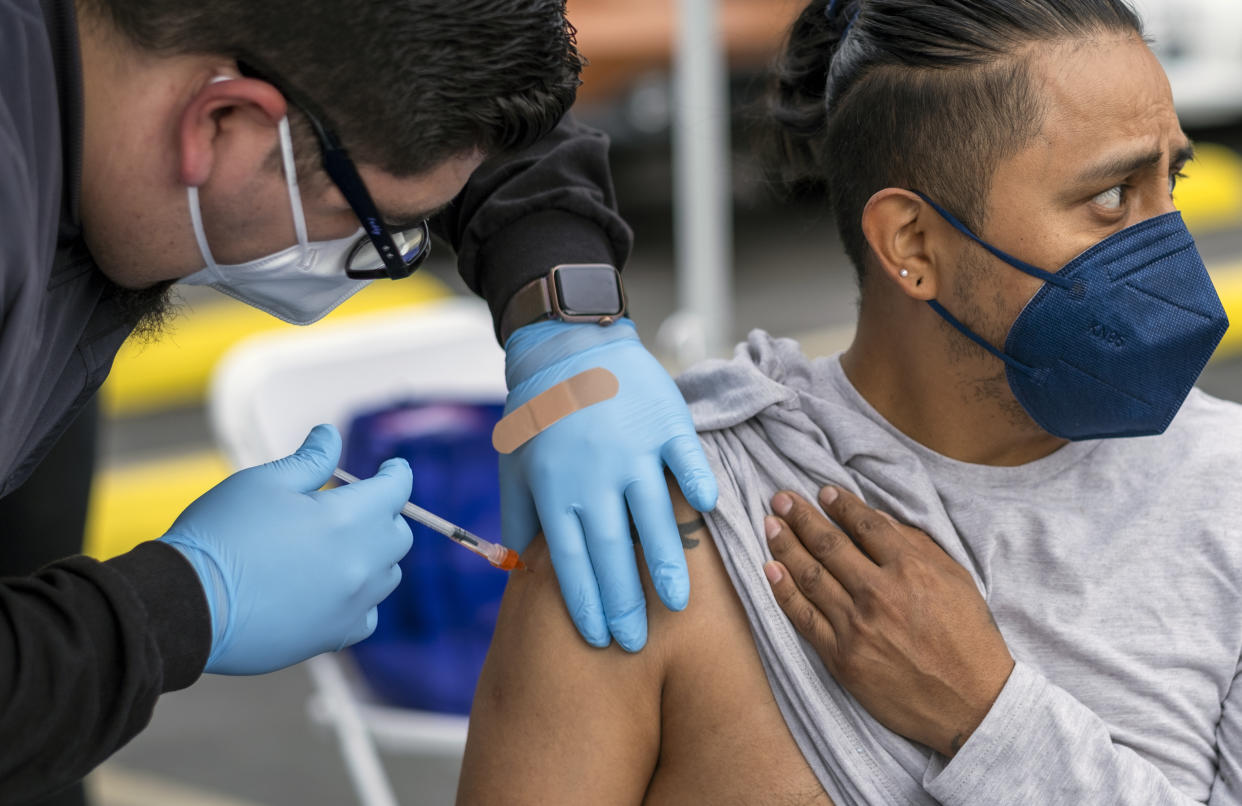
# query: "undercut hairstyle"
{"type": "Point", "coordinates": [927, 95]}
{"type": "Point", "coordinates": [405, 84]}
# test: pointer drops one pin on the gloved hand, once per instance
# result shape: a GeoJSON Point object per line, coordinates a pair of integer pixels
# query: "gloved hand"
{"type": "Point", "coordinates": [290, 571]}
{"type": "Point", "coordinates": [578, 476]}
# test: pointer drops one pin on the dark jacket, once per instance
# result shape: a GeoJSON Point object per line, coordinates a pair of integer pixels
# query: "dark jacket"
{"type": "Point", "coordinates": [86, 647]}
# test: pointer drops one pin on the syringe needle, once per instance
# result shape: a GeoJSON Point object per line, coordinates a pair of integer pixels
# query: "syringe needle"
{"type": "Point", "coordinates": [500, 556]}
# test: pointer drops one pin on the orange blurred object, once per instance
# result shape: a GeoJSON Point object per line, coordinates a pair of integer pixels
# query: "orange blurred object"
{"type": "Point", "coordinates": [511, 561]}
{"type": "Point", "coordinates": [627, 39]}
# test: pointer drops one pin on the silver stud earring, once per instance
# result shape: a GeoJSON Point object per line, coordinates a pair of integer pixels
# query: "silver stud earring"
{"type": "Point", "coordinates": [905, 273]}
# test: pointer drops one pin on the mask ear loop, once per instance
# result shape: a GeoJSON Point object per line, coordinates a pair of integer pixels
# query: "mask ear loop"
{"type": "Point", "coordinates": [196, 212]}
{"type": "Point", "coordinates": [1037, 374]}
{"type": "Point", "coordinates": [1020, 265]}
{"type": "Point", "coordinates": [1057, 280]}
{"type": "Point", "coordinates": [196, 220]}
{"type": "Point", "coordinates": [291, 180]}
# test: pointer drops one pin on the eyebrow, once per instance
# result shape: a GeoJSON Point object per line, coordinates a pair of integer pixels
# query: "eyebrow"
{"type": "Point", "coordinates": [1124, 165]}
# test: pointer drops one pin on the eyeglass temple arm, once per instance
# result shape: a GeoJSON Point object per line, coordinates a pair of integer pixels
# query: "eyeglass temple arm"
{"type": "Point", "coordinates": [343, 172]}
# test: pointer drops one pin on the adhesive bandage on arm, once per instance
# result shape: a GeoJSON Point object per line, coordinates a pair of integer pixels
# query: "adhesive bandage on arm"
{"type": "Point", "coordinates": [553, 405]}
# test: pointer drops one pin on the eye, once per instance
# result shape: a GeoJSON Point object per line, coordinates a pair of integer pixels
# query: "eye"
{"type": "Point", "coordinates": [1111, 199]}
{"type": "Point", "coordinates": [1173, 179]}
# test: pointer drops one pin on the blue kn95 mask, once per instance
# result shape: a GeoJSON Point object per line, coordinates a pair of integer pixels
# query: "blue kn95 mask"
{"type": "Point", "coordinates": [1114, 341]}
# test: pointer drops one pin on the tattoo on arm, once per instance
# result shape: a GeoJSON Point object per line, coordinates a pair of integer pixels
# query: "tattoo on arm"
{"type": "Point", "coordinates": [684, 529]}
{"type": "Point", "coordinates": [689, 528]}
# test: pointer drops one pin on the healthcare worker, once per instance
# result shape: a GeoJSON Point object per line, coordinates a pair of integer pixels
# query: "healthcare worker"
{"type": "Point", "coordinates": [286, 153]}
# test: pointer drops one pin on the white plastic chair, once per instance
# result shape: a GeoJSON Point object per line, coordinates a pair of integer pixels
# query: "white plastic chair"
{"type": "Point", "coordinates": [269, 391]}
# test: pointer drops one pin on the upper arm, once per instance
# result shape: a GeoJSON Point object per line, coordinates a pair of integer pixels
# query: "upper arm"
{"type": "Point", "coordinates": [553, 716]}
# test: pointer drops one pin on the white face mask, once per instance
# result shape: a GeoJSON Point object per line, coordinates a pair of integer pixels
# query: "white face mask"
{"type": "Point", "coordinates": [301, 284]}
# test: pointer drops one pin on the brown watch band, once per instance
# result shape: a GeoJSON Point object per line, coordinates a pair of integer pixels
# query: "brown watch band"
{"type": "Point", "coordinates": [539, 300]}
{"type": "Point", "coordinates": [529, 305]}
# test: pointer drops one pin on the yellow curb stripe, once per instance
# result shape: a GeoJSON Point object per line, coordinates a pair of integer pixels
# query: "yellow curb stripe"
{"type": "Point", "coordinates": [175, 370]}
{"type": "Point", "coordinates": [135, 503]}
{"type": "Point", "coordinates": [111, 785]}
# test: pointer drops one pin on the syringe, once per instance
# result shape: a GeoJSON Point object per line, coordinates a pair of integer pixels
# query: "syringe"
{"type": "Point", "coordinates": [506, 559]}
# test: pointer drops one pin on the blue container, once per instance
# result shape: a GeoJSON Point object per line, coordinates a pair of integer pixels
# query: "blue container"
{"type": "Point", "coordinates": [435, 629]}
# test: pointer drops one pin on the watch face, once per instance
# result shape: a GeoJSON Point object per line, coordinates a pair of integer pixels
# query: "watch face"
{"type": "Point", "coordinates": [589, 291]}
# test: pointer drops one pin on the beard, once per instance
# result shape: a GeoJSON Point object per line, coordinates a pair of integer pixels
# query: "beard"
{"type": "Point", "coordinates": [146, 311]}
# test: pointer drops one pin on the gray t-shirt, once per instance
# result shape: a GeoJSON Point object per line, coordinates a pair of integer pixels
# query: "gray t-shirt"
{"type": "Point", "coordinates": [1113, 567]}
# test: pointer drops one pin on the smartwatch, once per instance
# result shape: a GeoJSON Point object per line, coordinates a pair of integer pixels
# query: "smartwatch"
{"type": "Point", "coordinates": [571, 292]}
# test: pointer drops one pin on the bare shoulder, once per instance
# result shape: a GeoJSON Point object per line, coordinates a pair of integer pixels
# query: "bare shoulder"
{"type": "Point", "coordinates": [554, 717]}
{"type": "Point", "coordinates": [718, 709]}
{"type": "Point", "coordinates": [677, 722]}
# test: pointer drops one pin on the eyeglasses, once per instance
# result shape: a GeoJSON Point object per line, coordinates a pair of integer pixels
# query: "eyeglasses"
{"type": "Point", "coordinates": [383, 252]}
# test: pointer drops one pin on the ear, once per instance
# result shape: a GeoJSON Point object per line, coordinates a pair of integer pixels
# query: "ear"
{"type": "Point", "coordinates": [236, 102]}
{"type": "Point", "coordinates": [895, 223]}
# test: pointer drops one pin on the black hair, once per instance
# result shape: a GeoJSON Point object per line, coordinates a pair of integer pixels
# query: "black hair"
{"type": "Point", "coordinates": [405, 84]}
{"type": "Point", "coordinates": [922, 94]}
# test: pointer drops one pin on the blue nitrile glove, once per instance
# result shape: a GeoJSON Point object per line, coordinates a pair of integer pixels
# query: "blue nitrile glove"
{"type": "Point", "coordinates": [290, 571]}
{"type": "Point", "coordinates": [578, 477]}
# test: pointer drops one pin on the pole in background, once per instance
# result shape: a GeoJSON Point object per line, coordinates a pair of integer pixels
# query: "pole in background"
{"type": "Point", "coordinates": [703, 325]}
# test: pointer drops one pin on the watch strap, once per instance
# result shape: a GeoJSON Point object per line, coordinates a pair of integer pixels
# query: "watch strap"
{"type": "Point", "coordinates": [539, 300]}
{"type": "Point", "coordinates": [530, 304]}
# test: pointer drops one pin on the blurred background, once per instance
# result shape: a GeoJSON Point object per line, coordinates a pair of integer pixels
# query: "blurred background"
{"type": "Point", "coordinates": [250, 742]}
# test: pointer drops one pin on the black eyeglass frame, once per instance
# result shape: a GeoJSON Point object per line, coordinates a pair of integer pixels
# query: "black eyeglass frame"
{"type": "Point", "coordinates": [344, 174]}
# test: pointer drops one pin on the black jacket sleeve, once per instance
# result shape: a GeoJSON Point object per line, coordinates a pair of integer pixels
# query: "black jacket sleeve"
{"type": "Point", "coordinates": [86, 648]}
{"type": "Point", "coordinates": [522, 214]}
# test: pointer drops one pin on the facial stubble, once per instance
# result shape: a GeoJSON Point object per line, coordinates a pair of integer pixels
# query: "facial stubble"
{"type": "Point", "coordinates": [979, 304]}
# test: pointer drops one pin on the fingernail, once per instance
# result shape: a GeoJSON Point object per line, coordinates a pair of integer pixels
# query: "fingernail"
{"type": "Point", "coordinates": [633, 645]}
{"type": "Point", "coordinates": [773, 572]}
{"type": "Point", "coordinates": [781, 504]}
{"type": "Point", "coordinates": [631, 636]}
{"type": "Point", "coordinates": [771, 527]}
{"type": "Point", "coordinates": [829, 494]}
{"type": "Point", "coordinates": [590, 623]}
{"type": "Point", "coordinates": [673, 585]}
{"type": "Point", "coordinates": [706, 494]}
